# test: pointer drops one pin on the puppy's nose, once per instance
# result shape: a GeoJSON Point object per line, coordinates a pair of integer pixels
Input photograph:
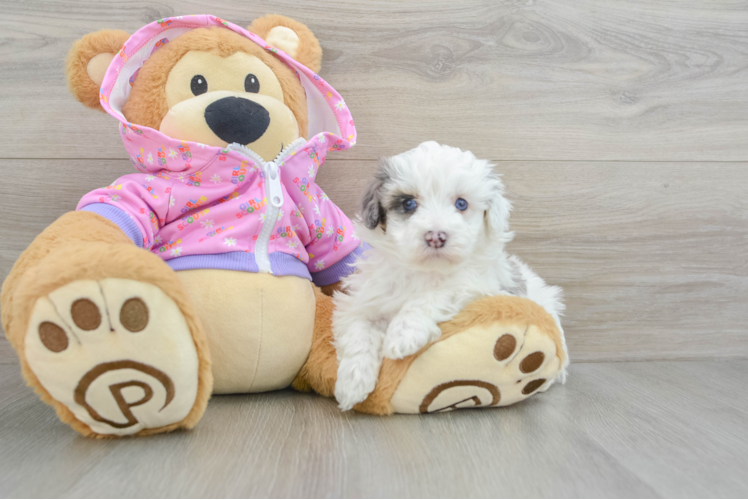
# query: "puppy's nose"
{"type": "Point", "coordinates": [234, 119]}
{"type": "Point", "coordinates": [436, 239]}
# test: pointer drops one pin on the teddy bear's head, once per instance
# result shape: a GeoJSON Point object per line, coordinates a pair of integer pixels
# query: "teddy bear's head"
{"type": "Point", "coordinates": [209, 85]}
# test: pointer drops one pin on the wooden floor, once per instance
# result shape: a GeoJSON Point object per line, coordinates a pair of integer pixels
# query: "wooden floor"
{"type": "Point", "coordinates": [621, 130]}
{"type": "Point", "coordinates": [647, 429]}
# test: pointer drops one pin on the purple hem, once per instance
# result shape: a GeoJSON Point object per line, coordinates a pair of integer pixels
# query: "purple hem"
{"type": "Point", "coordinates": [340, 269]}
{"type": "Point", "coordinates": [119, 217]}
{"type": "Point", "coordinates": [282, 264]}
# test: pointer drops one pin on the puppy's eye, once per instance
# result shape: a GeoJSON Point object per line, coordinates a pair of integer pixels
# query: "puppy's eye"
{"type": "Point", "coordinates": [461, 204]}
{"type": "Point", "coordinates": [199, 85]}
{"type": "Point", "coordinates": [410, 204]}
{"type": "Point", "coordinates": [251, 84]}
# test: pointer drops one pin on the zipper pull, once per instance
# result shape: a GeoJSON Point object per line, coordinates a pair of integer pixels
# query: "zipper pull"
{"type": "Point", "coordinates": [272, 178]}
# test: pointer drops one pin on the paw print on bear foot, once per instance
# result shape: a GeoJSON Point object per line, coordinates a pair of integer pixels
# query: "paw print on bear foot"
{"type": "Point", "coordinates": [117, 353]}
{"type": "Point", "coordinates": [487, 365]}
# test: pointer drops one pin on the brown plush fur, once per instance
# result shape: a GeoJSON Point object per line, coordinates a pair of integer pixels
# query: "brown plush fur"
{"type": "Point", "coordinates": [83, 50]}
{"type": "Point", "coordinates": [309, 51]}
{"type": "Point", "coordinates": [147, 102]}
{"type": "Point", "coordinates": [330, 289]}
{"type": "Point", "coordinates": [320, 371]}
{"type": "Point", "coordinates": [86, 246]}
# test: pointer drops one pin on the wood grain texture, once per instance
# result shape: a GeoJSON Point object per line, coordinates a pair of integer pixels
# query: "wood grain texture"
{"type": "Point", "coordinates": [7, 355]}
{"type": "Point", "coordinates": [520, 79]}
{"type": "Point", "coordinates": [670, 429]}
{"type": "Point", "coordinates": [651, 256]}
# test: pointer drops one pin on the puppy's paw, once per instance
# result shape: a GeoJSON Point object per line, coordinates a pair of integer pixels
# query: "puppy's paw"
{"type": "Point", "coordinates": [407, 334]}
{"type": "Point", "coordinates": [357, 378]}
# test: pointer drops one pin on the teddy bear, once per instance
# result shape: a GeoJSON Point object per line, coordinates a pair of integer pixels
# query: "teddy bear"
{"type": "Point", "coordinates": [209, 269]}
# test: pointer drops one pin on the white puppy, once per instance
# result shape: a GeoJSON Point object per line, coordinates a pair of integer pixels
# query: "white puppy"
{"type": "Point", "coordinates": [437, 221]}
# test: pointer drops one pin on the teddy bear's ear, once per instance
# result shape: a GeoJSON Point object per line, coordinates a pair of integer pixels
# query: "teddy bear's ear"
{"type": "Point", "coordinates": [88, 61]}
{"type": "Point", "coordinates": [292, 37]}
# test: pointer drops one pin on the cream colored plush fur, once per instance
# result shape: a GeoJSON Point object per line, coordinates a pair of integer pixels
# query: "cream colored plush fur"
{"type": "Point", "coordinates": [259, 327]}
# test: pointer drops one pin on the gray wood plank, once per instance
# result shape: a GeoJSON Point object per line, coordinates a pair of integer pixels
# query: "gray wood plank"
{"type": "Point", "coordinates": [7, 355]}
{"type": "Point", "coordinates": [563, 80]}
{"type": "Point", "coordinates": [614, 430]}
{"type": "Point", "coordinates": [687, 418]}
{"type": "Point", "coordinates": [650, 255]}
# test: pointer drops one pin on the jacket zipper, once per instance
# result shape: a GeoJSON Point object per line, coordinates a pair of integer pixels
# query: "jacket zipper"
{"type": "Point", "coordinates": [273, 194]}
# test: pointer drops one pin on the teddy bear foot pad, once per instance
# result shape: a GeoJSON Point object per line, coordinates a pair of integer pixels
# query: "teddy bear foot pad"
{"type": "Point", "coordinates": [497, 364]}
{"type": "Point", "coordinates": [117, 353]}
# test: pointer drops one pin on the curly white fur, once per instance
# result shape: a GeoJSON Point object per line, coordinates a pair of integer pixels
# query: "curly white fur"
{"type": "Point", "coordinates": [404, 287]}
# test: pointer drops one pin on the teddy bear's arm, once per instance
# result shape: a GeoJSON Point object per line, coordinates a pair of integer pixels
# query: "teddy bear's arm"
{"type": "Point", "coordinates": [332, 244]}
{"type": "Point", "coordinates": [137, 203]}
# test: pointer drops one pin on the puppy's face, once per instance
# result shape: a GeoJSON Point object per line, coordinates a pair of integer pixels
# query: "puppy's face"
{"type": "Point", "coordinates": [435, 206]}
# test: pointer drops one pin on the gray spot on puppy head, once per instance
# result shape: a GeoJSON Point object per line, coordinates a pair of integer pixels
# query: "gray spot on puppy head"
{"type": "Point", "coordinates": [397, 204]}
{"type": "Point", "coordinates": [372, 211]}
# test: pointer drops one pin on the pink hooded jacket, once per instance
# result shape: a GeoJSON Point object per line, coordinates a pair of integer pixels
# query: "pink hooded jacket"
{"type": "Point", "coordinates": [203, 207]}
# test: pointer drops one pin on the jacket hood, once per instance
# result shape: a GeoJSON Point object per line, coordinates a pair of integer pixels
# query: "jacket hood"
{"type": "Point", "coordinates": [330, 123]}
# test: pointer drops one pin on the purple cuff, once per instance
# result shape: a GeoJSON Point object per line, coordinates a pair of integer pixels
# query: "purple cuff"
{"type": "Point", "coordinates": [119, 217]}
{"type": "Point", "coordinates": [340, 269]}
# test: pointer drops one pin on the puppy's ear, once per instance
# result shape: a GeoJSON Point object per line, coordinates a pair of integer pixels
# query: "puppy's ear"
{"type": "Point", "coordinates": [497, 214]}
{"type": "Point", "coordinates": [372, 211]}
{"type": "Point", "coordinates": [292, 37]}
{"type": "Point", "coordinates": [88, 61]}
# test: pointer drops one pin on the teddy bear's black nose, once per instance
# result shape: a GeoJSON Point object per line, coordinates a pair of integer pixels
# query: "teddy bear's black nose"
{"type": "Point", "coordinates": [234, 119]}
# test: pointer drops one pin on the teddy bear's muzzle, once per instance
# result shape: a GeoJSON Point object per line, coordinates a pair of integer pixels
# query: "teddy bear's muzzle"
{"type": "Point", "coordinates": [234, 119]}
{"type": "Point", "coordinates": [260, 122]}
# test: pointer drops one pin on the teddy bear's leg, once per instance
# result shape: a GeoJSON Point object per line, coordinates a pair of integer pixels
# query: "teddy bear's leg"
{"type": "Point", "coordinates": [498, 351]}
{"type": "Point", "coordinates": [104, 331]}
{"type": "Point", "coordinates": [320, 371]}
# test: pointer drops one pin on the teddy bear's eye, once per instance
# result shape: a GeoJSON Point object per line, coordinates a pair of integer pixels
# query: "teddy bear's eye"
{"type": "Point", "coordinates": [251, 84]}
{"type": "Point", "coordinates": [199, 85]}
